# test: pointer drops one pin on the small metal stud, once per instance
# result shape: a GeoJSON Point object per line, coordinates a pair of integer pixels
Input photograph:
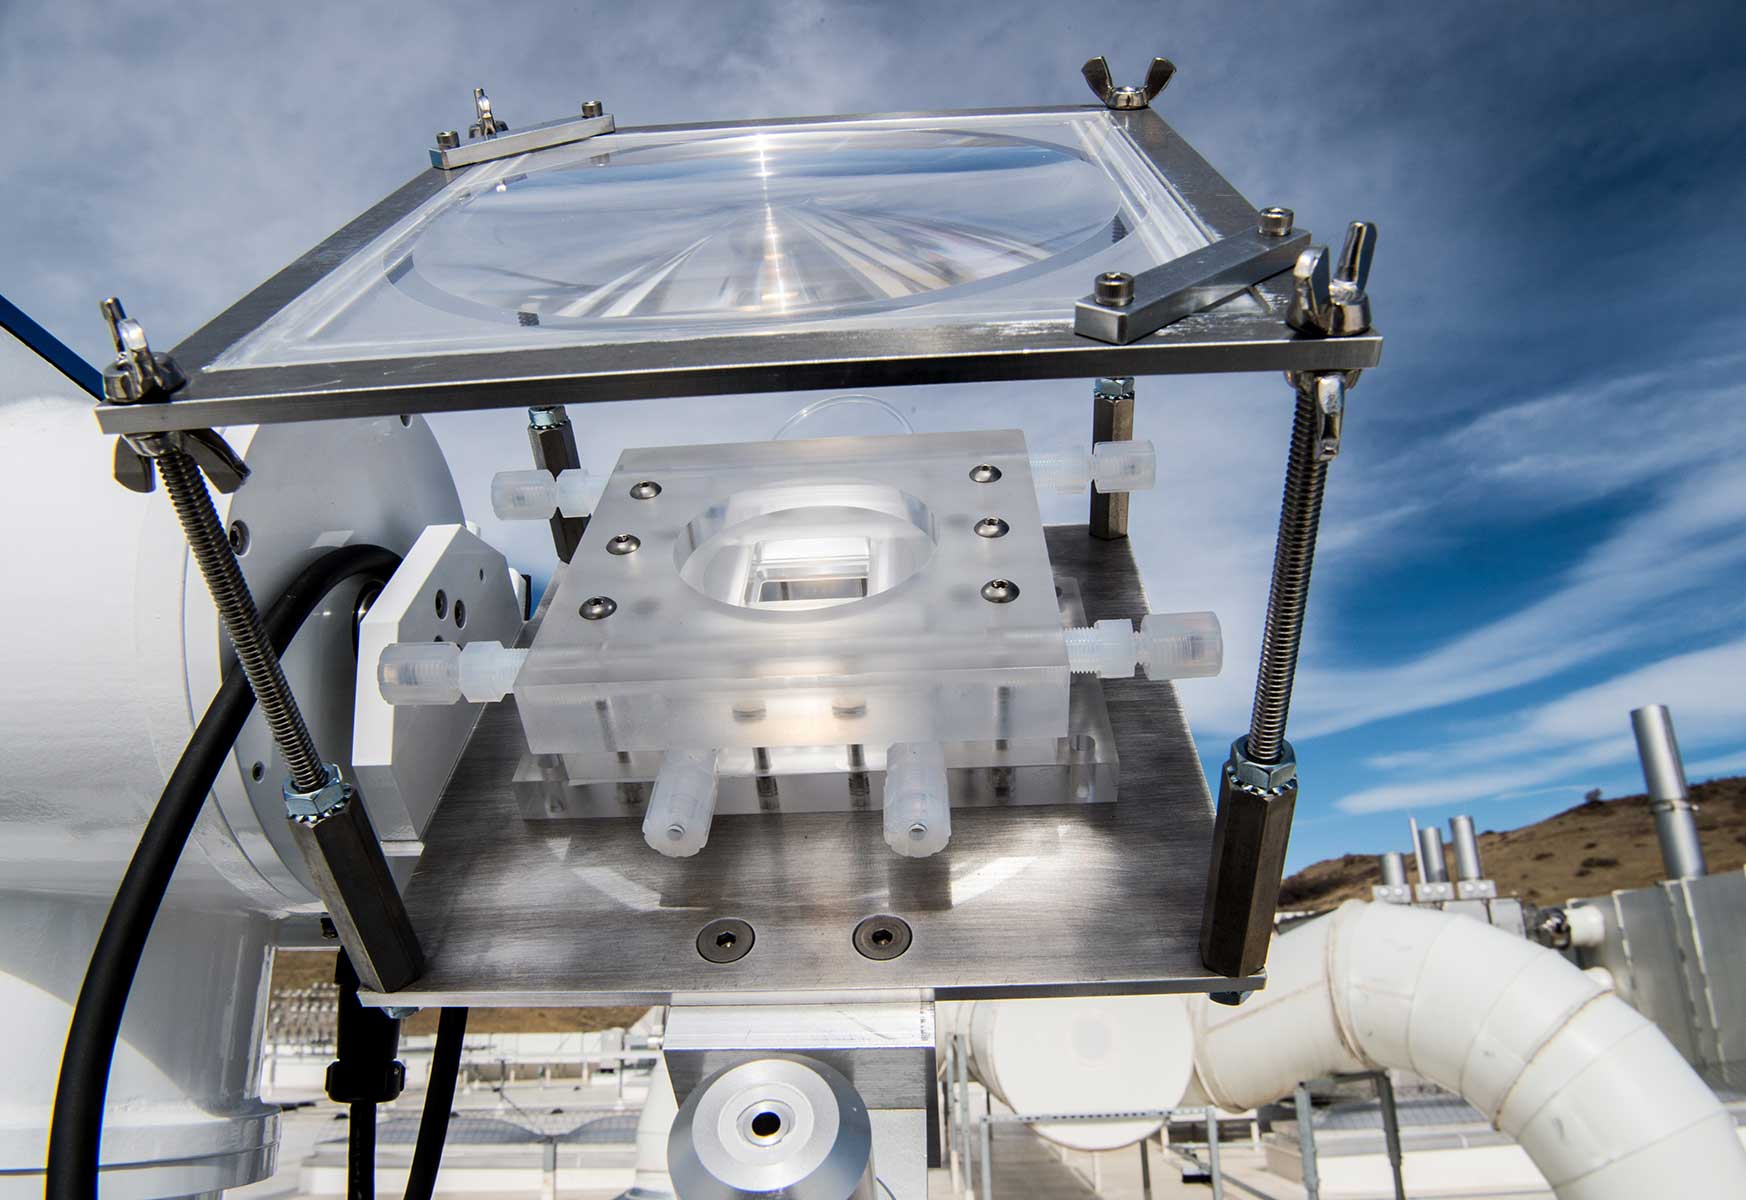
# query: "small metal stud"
{"type": "Point", "coordinates": [598, 608]}
{"type": "Point", "coordinates": [1000, 591]}
{"type": "Point", "coordinates": [985, 472]}
{"type": "Point", "coordinates": [1113, 289]}
{"type": "Point", "coordinates": [1276, 222]}
{"type": "Point", "coordinates": [624, 543]}
{"type": "Point", "coordinates": [992, 527]}
{"type": "Point", "coordinates": [648, 489]}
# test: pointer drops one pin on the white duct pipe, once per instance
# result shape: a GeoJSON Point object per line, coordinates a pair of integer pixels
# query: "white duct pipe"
{"type": "Point", "coordinates": [1593, 1091]}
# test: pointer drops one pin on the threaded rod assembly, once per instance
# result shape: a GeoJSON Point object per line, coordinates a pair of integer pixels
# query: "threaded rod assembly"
{"type": "Point", "coordinates": [210, 546]}
{"type": "Point", "coordinates": [1294, 555]}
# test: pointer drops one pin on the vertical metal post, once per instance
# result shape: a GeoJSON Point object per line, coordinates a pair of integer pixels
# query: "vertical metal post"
{"type": "Point", "coordinates": [1394, 872]}
{"type": "Point", "coordinates": [987, 1161]}
{"type": "Point", "coordinates": [1112, 420]}
{"type": "Point", "coordinates": [1433, 866]}
{"type": "Point", "coordinates": [1682, 852]}
{"type": "Point", "coordinates": [964, 1110]}
{"type": "Point", "coordinates": [1306, 1144]}
{"type": "Point", "coordinates": [549, 1180]}
{"type": "Point", "coordinates": [1466, 843]}
{"type": "Point", "coordinates": [1258, 786]}
{"type": "Point", "coordinates": [1145, 1170]}
{"type": "Point", "coordinates": [1391, 1131]}
{"type": "Point", "coordinates": [1212, 1153]}
{"type": "Point", "coordinates": [553, 441]}
{"type": "Point", "coordinates": [949, 1114]}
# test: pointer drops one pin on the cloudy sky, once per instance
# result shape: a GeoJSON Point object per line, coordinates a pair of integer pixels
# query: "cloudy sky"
{"type": "Point", "coordinates": [1539, 518]}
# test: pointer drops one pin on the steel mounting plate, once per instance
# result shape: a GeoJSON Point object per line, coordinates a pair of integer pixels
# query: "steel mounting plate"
{"type": "Point", "coordinates": [507, 285]}
{"type": "Point", "coordinates": [1076, 899]}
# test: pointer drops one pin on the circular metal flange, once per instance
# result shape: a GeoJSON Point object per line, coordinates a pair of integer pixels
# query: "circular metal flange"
{"type": "Point", "coordinates": [992, 527]}
{"type": "Point", "coordinates": [782, 1125]}
{"type": "Point", "coordinates": [598, 608]}
{"type": "Point", "coordinates": [623, 543]}
{"type": "Point", "coordinates": [985, 472]}
{"type": "Point", "coordinates": [648, 489]}
{"type": "Point", "coordinates": [1000, 591]}
{"type": "Point", "coordinates": [725, 940]}
{"type": "Point", "coordinates": [883, 937]}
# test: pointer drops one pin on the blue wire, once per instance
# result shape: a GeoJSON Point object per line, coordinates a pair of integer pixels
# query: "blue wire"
{"type": "Point", "coordinates": [50, 348]}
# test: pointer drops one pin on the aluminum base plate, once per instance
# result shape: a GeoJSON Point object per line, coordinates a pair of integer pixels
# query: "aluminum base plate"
{"type": "Point", "coordinates": [1038, 901]}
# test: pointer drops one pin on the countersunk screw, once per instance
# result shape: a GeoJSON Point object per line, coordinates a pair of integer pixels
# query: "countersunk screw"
{"type": "Point", "coordinates": [448, 139]}
{"type": "Point", "coordinates": [598, 608]}
{"type": "Point", "coordinates": [1114, 289]}
{"type": "Point", "coordinates": [1000, 591]}
{"type": "Point", "coordinates": [1277, 222]}
{"type": "Point", "coordinates": [648, 489]}
{"type": "Point", "coordinates": [624, 543]}
{"type": "Point", "coordinates": [991, 527]}
{"type": "Point", "coordinates": [985, 472]}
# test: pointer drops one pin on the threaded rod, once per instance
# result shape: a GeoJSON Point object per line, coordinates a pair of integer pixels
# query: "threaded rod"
{"type": "Point", "coordinates": [1293, 555]}
{"type": "Point", "coordinates": [242, 620]}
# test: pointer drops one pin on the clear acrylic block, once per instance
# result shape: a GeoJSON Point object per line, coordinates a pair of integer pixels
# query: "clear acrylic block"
{"type": "Point", "coordinates": [812, 593]}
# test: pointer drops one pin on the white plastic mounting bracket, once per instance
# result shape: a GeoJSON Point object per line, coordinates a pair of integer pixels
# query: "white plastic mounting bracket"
{"type": "Point", "coordinates": [453, 587]}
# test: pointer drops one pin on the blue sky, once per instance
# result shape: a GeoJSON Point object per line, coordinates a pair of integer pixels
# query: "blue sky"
{"type": "Point", "coordinates": [1539, 518]}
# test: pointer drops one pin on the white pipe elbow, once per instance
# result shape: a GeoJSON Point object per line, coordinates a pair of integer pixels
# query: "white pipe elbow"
{"type": "Point", "coordinates": [1594, 1092]}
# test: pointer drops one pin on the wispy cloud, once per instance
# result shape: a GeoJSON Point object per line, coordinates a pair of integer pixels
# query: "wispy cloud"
{"type": "Point", "coordinates": [1585, 729]}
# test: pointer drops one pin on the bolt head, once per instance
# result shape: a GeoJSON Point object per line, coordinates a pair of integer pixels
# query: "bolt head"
{"type": "Point", "coordinates": [593, 108]}
{"type": "Point", "coordinates": [598, 608]}
{"type": "Point", "coordinates": [1277, 222]}
{"type": "Point", "coordinates": [624, 543]}
{"type": "Point", "coordinates": [1000, 591]}
{"type": "Point", "coordinates": [992, 527]}
{"type": "Point", "coordinates": [448, 139]}
{"type": "Point", "coordinates": [648, 489]}
{"type": "Point", "coordinates": [984, 472]}
{"type": "Point", "coordinates": [1114, 289]}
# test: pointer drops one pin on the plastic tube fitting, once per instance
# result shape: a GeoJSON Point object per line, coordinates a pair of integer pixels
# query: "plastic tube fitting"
{"type": "Point", "coordinates": [918, 808]}
{"type": "Point", "coordinates": [1167, 646]}
{"type": "Point", "coordinates": [536, 495]}
{"type": "Point", "coordinates": [443, 673]}
{"type": "Point", "coordinates": [1111, 466]}
{"type": "Point", "coordinates": [683, 803]}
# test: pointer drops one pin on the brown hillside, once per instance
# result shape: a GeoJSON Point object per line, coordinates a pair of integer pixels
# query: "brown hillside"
{"type": "Point", "coordinates": [1589, 850]}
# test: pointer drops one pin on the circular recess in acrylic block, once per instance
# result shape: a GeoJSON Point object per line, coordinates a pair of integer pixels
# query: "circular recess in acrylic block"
{"type": "Point", "coordinates": [807, 544]}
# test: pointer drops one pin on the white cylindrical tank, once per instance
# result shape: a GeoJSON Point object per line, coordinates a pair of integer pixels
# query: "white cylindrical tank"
{"type": "Point", "coordinates": [113, 651]}
{"type": "Point", "coordinates": [1083, 1055]}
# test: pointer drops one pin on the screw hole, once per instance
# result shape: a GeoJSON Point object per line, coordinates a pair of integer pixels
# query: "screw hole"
{"type": "Point", "coordinates": [481, 574]}
{"type": "Point", "coordinates": [442, 604]}
{"type": "Point", "coordinates": [239, 538]}
{"type": "Point", "coordinates": [460, 614]}
{"type": "Point", "coordinates": [882, 937]}
{"type": "Point", "coordinates": [725, 940]}
{"type": "Point", "coordinates": [405, 421]}
{"type": "Point", "coordinates": [258, 772]}
{"type": "Point", "coordinates": [766, 1124]}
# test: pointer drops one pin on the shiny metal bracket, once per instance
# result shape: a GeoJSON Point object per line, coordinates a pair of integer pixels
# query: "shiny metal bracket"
{"type": "Point", "coordinates": [449, 152]}
{"type": "Point", "coordinates": [1173, 290]}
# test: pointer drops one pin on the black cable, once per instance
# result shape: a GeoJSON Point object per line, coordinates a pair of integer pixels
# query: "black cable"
{"type": "Point", "coordinates": [439, 1097]}
{"type": "Point", "coordinates": [76, 1130]}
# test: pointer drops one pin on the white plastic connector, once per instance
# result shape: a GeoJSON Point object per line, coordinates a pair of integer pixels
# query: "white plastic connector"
{"type": "Point", "coordinates": [918, 808]}
{"type": "Point", "coordinates": [536, 495]}
{"type": "Point", "coordinates": [1588, 925]}
{"type": "Point", "coordinates": [442, 672]}
{"type": "Point", "coordinates": [1187, 645]}
{"type": "Point", "coordinates": [1112, 466]}
{"type": "Point", "coordinates": [1167, 646]}
{"type": "Point", "coordinates": [683, 803]}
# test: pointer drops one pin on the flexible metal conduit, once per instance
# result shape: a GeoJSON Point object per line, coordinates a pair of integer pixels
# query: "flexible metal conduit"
{"type": "Point", "coordinates": [1593, 1091]}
